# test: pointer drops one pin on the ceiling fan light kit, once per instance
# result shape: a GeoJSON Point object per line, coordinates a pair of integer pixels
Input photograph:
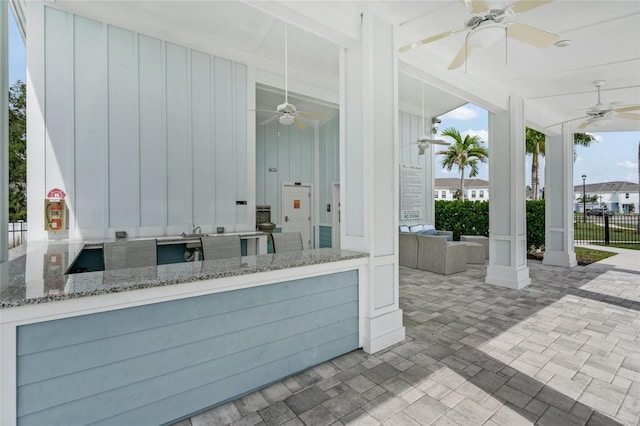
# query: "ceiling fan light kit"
{"type": "Point", "coordinates": [286, 113]}
{"type": "Point", "coordinates": [601, 114]}
{"type": "Point", "coordinates": [486, 28]}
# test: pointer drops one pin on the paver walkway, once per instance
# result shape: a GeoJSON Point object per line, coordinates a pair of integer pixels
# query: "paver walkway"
{"type": "Point", "coordinates": [564, 351]}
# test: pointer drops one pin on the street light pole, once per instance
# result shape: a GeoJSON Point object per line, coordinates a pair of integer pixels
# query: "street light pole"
{"type": "Point", "coordinates": [584, 200]}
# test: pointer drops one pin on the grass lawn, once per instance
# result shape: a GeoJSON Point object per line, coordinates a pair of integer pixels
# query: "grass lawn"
{"type": "Point", "coordinates": [622, 246]}
{"type": "Point", "coordinates": [586, 256]}
{"type": "Point", "coordinates": [595, 232]}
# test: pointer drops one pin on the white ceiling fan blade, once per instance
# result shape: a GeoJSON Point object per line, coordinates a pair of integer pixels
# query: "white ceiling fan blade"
{"type": "Point", "coordinates": [316, 115]}
{"type": "Point", "coordinates": [583, 125]}
{"type": "Point", "coordinates": [429, 40]}
{"type": "Point", "coordinates": [531, 35]}
{"type": "Point", "coordinates": [439, 142]}
{"type": "Point", "coordinates": [269, 120]}
{"type": "Point", "coordinates": [461, 57]}
{"type": "Point", "coordinates": [526, 5]}
{"type": "Point", "coordinates": [628, 116]}
{"type": "Point", "coordinates": [299, 124]}
{"type": "Point", "coordinates": [627, 109]}
{"type": "Point", "coordinates": [476, 6]}
{"type": "Point", "coordinates": [569, 121]}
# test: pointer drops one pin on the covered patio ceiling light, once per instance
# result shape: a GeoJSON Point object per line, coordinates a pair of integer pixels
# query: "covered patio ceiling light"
{"type": "Point", "coordinates": [487, 35]}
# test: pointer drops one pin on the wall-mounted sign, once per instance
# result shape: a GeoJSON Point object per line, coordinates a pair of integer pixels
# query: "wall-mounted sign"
{"type": "Point", "coordinates": [411, 193]}
{"type": "Point", "coordinates": [296, 204]}
{"type": "Point", "coordinates": [56, 193]}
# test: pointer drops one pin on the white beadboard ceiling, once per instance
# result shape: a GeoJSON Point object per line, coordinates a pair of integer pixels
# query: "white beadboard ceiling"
{"type": "Point", "coordinates": [555, 82]}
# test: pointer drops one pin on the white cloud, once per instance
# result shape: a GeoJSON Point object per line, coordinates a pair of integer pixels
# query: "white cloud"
{"type": "Point", "coordinates": [462, 113]}
{"type": "Point", "coordinates": [483, 134]}
{"type": "Point", "coordinates": [627, 164]}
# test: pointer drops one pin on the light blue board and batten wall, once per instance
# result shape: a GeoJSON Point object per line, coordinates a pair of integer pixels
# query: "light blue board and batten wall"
{"type": "Point", "coordinates": [142, 134]}
{"type": "Point", "coordinates": [290, 152]}
{"type": "Point", "coordinates": [157, 363]}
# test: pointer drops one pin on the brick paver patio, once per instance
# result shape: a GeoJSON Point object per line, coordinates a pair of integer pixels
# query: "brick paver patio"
{"type": "Point", "coordinates": [564, 351]}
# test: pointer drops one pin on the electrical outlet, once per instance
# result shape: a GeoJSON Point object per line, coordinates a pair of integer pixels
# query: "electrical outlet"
{"type": "Point", "coordinates": [121, 234]}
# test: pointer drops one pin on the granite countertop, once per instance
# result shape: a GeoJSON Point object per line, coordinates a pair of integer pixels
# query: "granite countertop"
{"type": "Point", "coordinates": [36, 272]}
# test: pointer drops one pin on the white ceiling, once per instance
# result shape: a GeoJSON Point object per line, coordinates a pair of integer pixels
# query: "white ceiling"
{"type": "Point", "coordinates": [556, 83]}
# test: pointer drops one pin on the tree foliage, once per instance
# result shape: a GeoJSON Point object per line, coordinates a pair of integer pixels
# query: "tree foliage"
{"type": "Point", "coordinates": [463, 153]}
{"type": "Point", "coordinates": [17, 152]}
{"type": "Point", "coordinates": [535, 145]}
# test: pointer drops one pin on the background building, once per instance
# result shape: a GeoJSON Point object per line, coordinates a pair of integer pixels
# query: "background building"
{"type": "Point", "coordinates": [618, 197]}
{"type": "Point", "coordinates": [475, 189]}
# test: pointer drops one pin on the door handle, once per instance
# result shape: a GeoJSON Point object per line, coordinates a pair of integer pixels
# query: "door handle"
{"type": "Point", "coordinates": [286, 218]}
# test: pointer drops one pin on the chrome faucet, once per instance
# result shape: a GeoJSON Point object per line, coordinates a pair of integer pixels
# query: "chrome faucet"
{"type": "Point", "coordinates": [196, 230]}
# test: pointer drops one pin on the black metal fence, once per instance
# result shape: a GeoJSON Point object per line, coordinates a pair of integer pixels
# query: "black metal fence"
{"type": "Point", "coordinates": [17, 233]}
{"type": "Point", "coordinates": [606, 229]}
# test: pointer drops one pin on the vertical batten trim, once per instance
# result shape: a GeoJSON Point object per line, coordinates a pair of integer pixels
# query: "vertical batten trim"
{"type": "Point", "coordinates": [316, 183]}
{"type": "Point", "coordinates": [107, 194]}
{"type": "Point", "coordinates": [136, 72]}
{"type": "Point", "coordinates": [189, 147]}
{"type": "Point", "coordinates": [165, 210]}
{"type": "Point", "coordinates": [213, 139]}
{"type": "Point", "coordinates": [72, 222]}
{"type": "Point", "coordinates": [234, 135]}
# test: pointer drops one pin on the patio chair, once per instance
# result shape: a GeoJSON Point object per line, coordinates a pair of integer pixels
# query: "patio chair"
{"type": "Point", "coordinates": [408, 251]}
{"type": "Point", "coordinates": [221, 247]}
{"type": "Point", "coordinates": [286, 241]}
{"type": "Point", "coordinates": [436, 254]}
{"type": "Point", "coordinates": [129, 254]}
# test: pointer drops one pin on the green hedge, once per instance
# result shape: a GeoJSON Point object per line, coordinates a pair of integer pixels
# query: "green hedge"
{"type": "Point", "coordinates": [472, 218]}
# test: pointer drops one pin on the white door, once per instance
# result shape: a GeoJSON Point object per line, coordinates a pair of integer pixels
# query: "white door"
{"type": "Point", "coordinates": [335, 228]}
{"type": "Point", "coordinates": [296, 211]}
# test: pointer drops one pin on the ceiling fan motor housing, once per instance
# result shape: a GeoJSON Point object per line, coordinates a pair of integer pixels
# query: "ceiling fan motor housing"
{"type": "Point", "coordinates": [286, 108]}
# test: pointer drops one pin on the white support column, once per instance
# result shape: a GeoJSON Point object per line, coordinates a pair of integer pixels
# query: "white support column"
{"type": "Point", "coordinates": [558, 196]}
{"type": "Point", "coordinates": [507, 216]}
{"type": "Point", "coordinates": [369, 174]}
{"type": "Point", "coordinates": [4, 140]}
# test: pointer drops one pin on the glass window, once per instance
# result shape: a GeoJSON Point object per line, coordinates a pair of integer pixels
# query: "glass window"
{"type": "Point", "coordinates": [436, 194]}
{"type": "Point", "coordinates": [473, 193]}
{"type": "Point", "coordinates": [444, 194]}
{"type": "Point", "coordinates": [482, 193]}
{"type": "Point", "coordinates": [626, 195]}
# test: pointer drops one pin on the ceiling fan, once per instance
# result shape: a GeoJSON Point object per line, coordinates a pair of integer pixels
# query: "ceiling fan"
{"type": "Point", "coordinates": [600, 113]}
{"type": "Point", "coordinates": [488, 26]}
{"type": "Point", "coordinates": [286, 113]}
{"type": "Point", "coordinates": [424, 141]}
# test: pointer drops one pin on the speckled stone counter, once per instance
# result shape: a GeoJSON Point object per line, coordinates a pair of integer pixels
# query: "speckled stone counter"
{"type": "Point", "coordinates": [36, 272]}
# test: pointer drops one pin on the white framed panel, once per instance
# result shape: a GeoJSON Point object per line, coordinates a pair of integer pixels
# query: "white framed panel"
{"type": "Point", "coordinates": [91, 126]}
{"type": "Point", "coordinates": [224, 150]}
{"type": "Point", "coordinates": [152, 133]}
{"type": "Point", "coordinates": [201, 138]}
{"type": "Point", "coordinates": [123, 129]}
{"type": "Point", "coordinates": [59, 100]}
{"type": "Point", "coordinates": [241, 141]}
{"type": "Point", "coordinates": [179, 183]}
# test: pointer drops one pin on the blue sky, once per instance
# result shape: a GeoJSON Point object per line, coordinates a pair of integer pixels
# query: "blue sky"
{"type": "Point", "coordinates": [614, 157]}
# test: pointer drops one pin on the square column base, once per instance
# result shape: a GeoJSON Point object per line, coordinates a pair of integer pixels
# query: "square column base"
{"type": "Point", "coordinates": [560, 258]}
{"type": "Point", "coordinates": [504, 276]}
{"type": "Point", "coordinates": [382, 331]}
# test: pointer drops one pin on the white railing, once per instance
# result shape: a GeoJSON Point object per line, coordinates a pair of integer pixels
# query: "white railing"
{"type": "Point", "coordinates": [17, 233]}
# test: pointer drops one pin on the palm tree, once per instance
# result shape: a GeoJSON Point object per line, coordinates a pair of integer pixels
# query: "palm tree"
{"type": "Point", "coordinates": [535, 145]}
{"type": "Point", "coordinates": [463, 153]}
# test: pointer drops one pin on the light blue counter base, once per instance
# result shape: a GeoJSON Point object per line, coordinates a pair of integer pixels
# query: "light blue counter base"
{"type": "Point", "coordinates": [157, 363]}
